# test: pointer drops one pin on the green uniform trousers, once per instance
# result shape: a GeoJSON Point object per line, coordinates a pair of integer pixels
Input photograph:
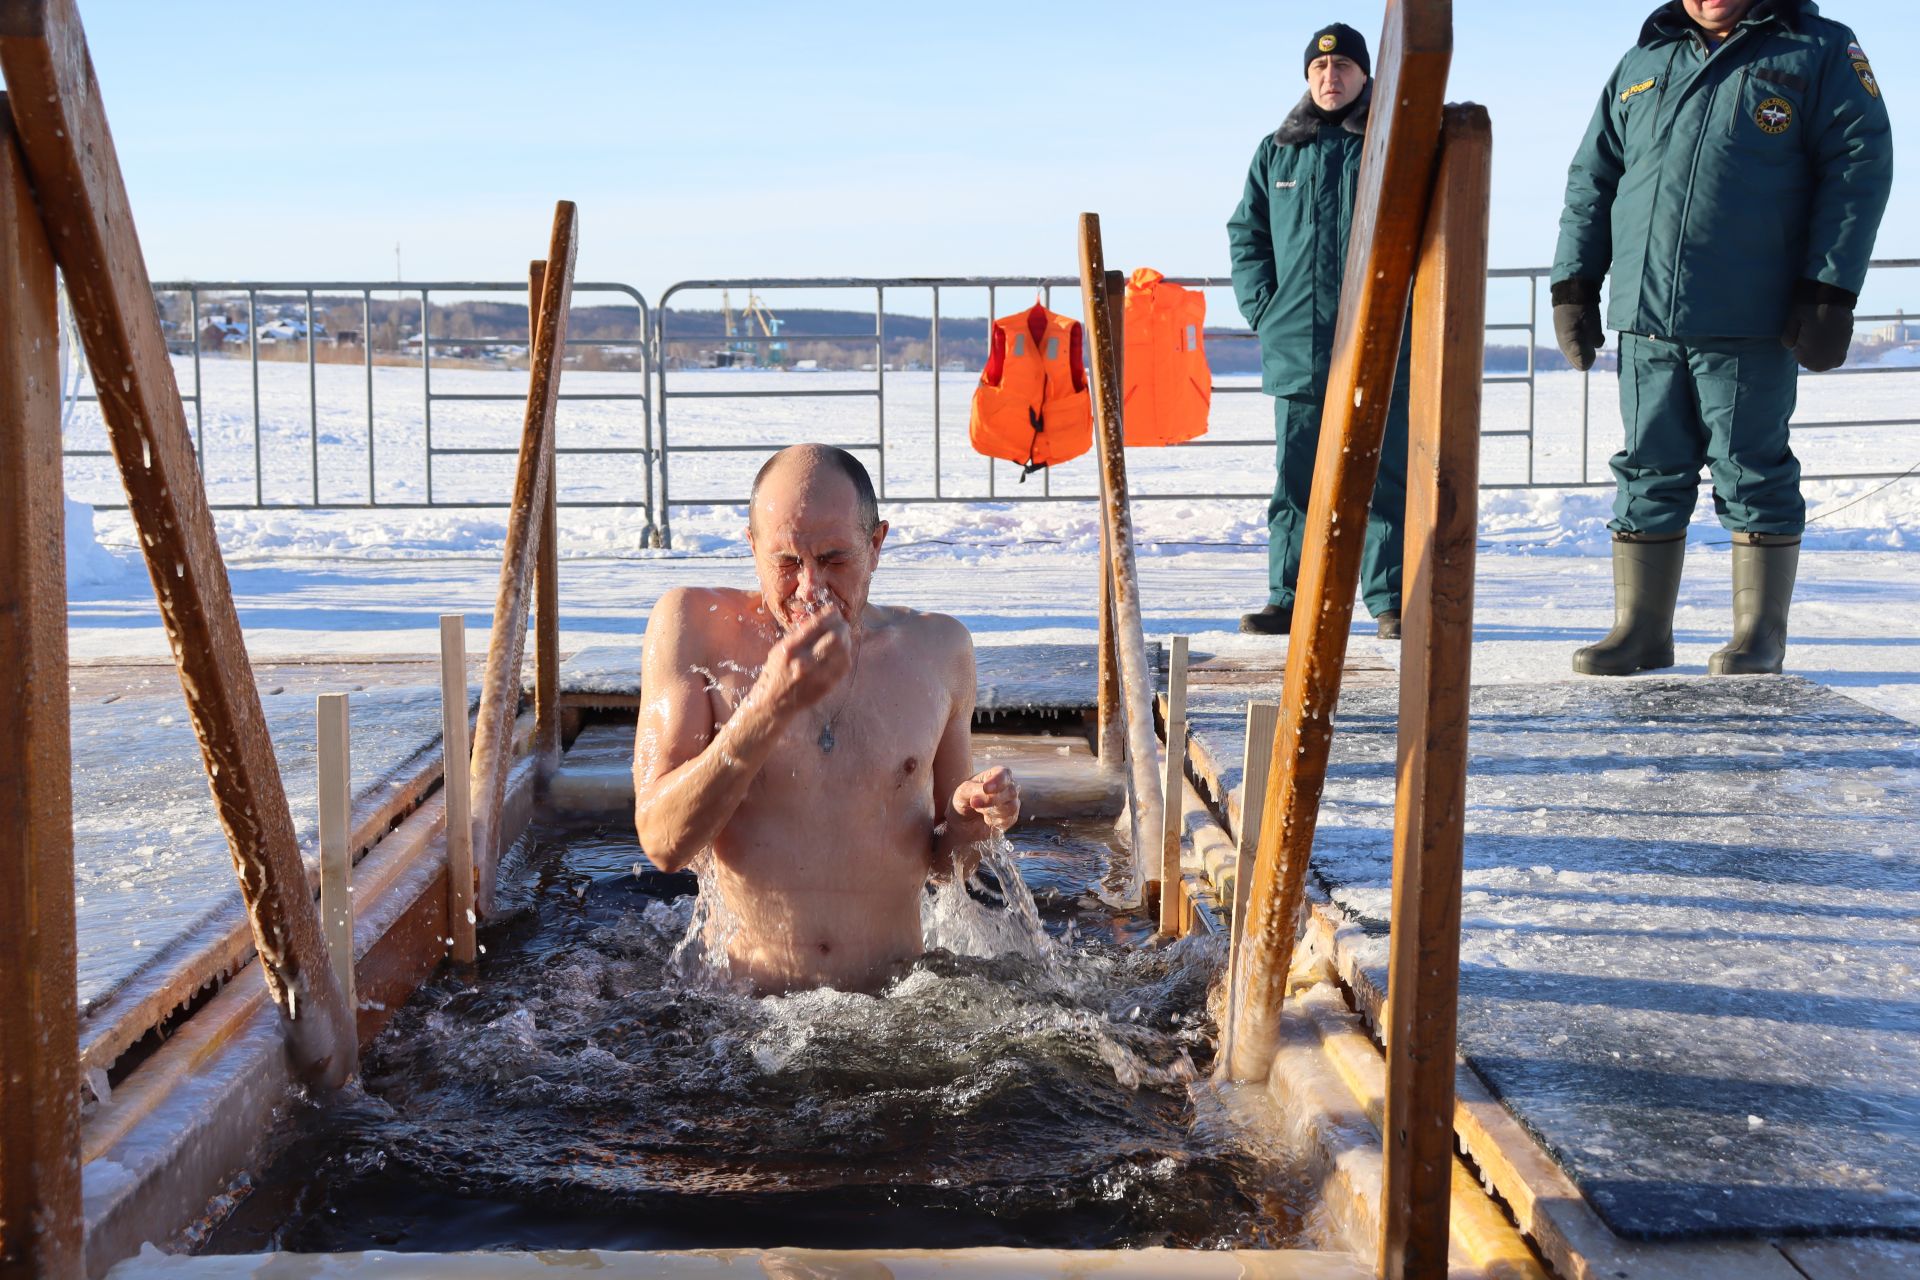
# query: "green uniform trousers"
{"type": "Point", "coordinates": [1297, 426]}
{"type": "Point", "coordinates": [1722, 403]}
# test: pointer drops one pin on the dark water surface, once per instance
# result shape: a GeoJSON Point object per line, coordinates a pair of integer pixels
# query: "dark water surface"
{"type": "Point", "coordinates": [1028, 1082]}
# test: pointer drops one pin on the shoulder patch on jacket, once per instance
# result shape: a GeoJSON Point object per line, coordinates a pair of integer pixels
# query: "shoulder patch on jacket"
{"type": "Point", "coordinates": [1867, 80]}
{"type": "Point", "coordinates": [1642, 87]}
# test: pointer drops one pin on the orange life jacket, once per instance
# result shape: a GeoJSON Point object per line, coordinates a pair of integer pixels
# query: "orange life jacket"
{"type": "Point", "coordinates": [1032, 406]}
{"type": "Point", "coordinates": [1169, 387]}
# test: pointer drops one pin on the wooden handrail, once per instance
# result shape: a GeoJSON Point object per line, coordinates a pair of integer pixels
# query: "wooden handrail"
{"type": "Point", "coordinates": [500, 687]}
{"type": "Point", "coordinates": [39, 1072]}
{"type": "Point", "coordinates": [1129, 637]}
{"type": "Point", "coordinates": [1396, 172]}
{"type": "Point", "coordinates": [70, 161]}
{"type": "Point", "coordinates": [1443, 482]}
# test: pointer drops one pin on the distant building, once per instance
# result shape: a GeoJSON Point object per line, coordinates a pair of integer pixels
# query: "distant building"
{"type": "Point", "coordinates": [1902, 330]}
{"type": "Point", "coordinates": [218, 331]}
{"type": "Point", "coordinates": [287, 329]}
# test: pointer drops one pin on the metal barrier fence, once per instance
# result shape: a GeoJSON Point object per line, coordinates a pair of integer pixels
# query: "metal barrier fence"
{"type": "Point", "coordinates": [205, 300]}
{"type": "Point", "coordinates": [1557, 464]}
{"type": "Point", "coordinates": [1535, 280]}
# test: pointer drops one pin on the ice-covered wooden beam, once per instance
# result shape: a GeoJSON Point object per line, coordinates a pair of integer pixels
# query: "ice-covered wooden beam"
{"type": "Point", "coordinates": [39, 1066]}
{"type": "Point", "coordinates": [1129, 636]}
{"type": "Point", "coordinates": [500, 687]}
{"type": "Point", "coordinates": [546, 586]}
{"type": "Point", "coordinates": [1390, 210]}
{"type": "Point", "coordinates": [1430, 803]}
{"type": "Point", "coordinates": [70, 162]}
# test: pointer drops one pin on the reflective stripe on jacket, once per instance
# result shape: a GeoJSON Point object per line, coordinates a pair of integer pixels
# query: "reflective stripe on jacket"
{"type": "Point", "coordinates": [1032, 406]}
{"type": "Point", "coordinates": [1710, 181]}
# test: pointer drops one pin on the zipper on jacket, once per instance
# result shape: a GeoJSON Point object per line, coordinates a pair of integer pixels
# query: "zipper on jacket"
{"type": "Point", "coordinates": [1693, 177]}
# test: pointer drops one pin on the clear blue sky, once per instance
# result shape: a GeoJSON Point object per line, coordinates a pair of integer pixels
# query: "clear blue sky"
{"type": "Point", "coordinates": [303, 140]}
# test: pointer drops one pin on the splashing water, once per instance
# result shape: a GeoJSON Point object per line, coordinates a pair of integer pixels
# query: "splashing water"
{"type": "Point", "coordinates": [1029, 1081]}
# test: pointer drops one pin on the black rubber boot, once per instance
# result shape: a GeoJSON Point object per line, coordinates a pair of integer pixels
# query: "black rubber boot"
{"type": "Point", "coordinates": [1387, 625]}
{"type": "Point", "coordinates": [1646, 583]}
{"type": "Point", "coordinates": [1764, 567]}
{"type": "Point", "coordinates": [1274, 620]}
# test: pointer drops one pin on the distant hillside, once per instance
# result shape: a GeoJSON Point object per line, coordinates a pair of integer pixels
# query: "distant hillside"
{"type": "Point", "coordinates": [831, 339]}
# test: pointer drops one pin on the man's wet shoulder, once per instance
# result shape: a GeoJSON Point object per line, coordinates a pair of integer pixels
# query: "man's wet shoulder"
{"type": "Point", "coordinates": [926, 628]}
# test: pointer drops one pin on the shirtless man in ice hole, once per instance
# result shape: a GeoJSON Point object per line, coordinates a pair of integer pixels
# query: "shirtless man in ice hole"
{"type": "Point", "coordinates": [819, 744]}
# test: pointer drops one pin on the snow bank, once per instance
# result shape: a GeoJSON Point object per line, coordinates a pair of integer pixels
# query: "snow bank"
{"type": "Point", "coordinates": [89, 563]}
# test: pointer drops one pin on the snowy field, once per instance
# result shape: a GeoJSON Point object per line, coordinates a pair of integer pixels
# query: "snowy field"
{"type": "Point", "coordinates": [361, 581]}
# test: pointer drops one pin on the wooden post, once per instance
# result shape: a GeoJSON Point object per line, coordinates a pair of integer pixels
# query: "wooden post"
{"type": "Point", "coordinates": [500, 688]}
{"type": "Point", "coordinates": [1173, 907]}
{"type": "Point", "coordinates": [70, 161]}
{"type": "Point", "coordinates": [457, 780]}
{"type": "Point", "coordinates": [1130, 640]}
{"type": "Point", "coordinates": [1443, 464]}
{"type": "Point", "coordinates": [335, 763]}
{"type": "Point", "coordinates": [40, 1231]}
{"type": "Point", "coordinates": [1110, 730]}
{"type": "Point", "coordinates": [1263, 718]}
{"type": "Point", "coordinates": [546, 583]}
{"type": "Point", "coordinates": [1396, 171]}
{"type": "Point", "coordinates": [1111, 740]}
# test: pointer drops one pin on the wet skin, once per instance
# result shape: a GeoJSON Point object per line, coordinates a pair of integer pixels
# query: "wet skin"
{"type": "Point", "coordinates": [820, 856]}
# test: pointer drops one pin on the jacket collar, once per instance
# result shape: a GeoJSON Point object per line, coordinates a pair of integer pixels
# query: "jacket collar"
{"type": "Point", "coordinates": [1302, 125]}
{"type": "Point", "coordinates": [1670, 21]}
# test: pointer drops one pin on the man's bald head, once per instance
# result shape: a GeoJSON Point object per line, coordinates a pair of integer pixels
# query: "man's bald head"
{"type": "Point", "coordinates": [802, 467]}
{"type": "Point", "coordinates": [815, 531]}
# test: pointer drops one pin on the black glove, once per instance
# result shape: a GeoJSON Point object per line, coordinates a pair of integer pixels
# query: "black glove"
{"type": "Point", "coordinates": [1576, 320]}
{"type": "Point", "coordinates": [1819, 328]}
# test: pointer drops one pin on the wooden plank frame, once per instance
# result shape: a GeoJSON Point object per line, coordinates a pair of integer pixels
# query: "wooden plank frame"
{"type": "Point", "coordinates": [1396, 171]}
{"type": "Point", "coordinates": [1443, 481]}
{"type": "Point", "coordinates": [70, 160]}
{"type": "Point", "coordinates": [1110, 732]}
{"type": "Point", "coordinates": [334, 758]}
{"type": "Point", "coordinates": [39, 1070]}
{"type": "Point", "coordinates": [500, 687]}
{"type": "Point", "coordinates": [1173, 913]}
{"type": "Point", "coordinates": [1262, 720]}
{"type": "Point", "coordinates": [546, 582]}
{"type": "Point", "coordinates": [457, 787]}
{"type": "Point", "coordinates": [1129, 635]}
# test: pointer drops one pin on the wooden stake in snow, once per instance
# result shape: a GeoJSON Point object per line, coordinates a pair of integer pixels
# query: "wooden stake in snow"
{"type": "Point", "coordinates": [70, 161]}
{"type": "Point", "coordinates": [1129, 635]}
{"type": "Point", "coordinates": [1173, 907]}
{"type": "Point", "coordinates": [1443, 485]}
{"type": "Point", "coordinates": [336, 834]}
{"type": "Point", "coordinates": [1390, 208]}
{"type": "Point", "coordinates": [40, 1231]}
{"type": "Point", "coordinates": [1263, 718]}
{"type": "Point", "coordinates": [457, 779]}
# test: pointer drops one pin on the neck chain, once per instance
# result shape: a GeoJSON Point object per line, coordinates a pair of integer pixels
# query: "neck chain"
{"type": "Point", "coordinates": [826, 740]}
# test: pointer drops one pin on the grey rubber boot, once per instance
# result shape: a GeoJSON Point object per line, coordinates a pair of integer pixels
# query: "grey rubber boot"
{"type": "Point", "coordinates": [1646, 583]}
{"type": "Point", "coordinates": [1764, 567]}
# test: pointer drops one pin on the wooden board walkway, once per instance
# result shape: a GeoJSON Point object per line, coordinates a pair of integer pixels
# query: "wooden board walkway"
{"type": "Point", "coordinates": [1691, 959]}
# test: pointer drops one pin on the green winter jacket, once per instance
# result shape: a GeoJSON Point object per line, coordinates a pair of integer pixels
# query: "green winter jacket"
{"type": "Point", "coordinates": [1715, 186]}
{"type": "Point", "coordinates": [1288, 240]}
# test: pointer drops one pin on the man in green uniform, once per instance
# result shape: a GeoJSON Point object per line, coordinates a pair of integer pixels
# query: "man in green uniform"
{"type": "Point", "coordinates": [1288, 240]}
{"type": "Point", "coordinates": [1732, 181]}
